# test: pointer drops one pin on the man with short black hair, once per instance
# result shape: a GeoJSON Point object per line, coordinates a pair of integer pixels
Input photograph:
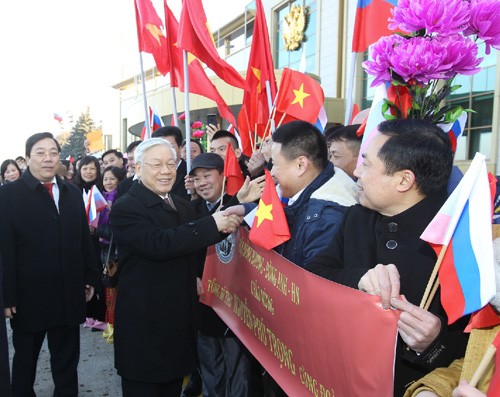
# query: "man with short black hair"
{"type": "Point", "coordinates": [402, 184]}
{"type": "Point", "coordinates": [113, 158]}
{"type": "Point", "coordinates": [343, 148]}
{"type": "Point", "coordinates": [50, 268]}
{"type": "Point", "coordinates": [219, 143]}
{"type": "Point", "coordinates": [318, 196]}
{"type": "Point", "coordinates": [173, 135]}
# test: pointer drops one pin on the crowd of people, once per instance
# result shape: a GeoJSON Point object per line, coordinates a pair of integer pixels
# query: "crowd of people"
{"type": "Point", "coordinates": [354, 224]}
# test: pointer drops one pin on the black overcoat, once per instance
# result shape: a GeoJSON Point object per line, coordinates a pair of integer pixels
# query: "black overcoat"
{"type": "Point", "coordinates": [367, 238]}
{"type": "Point", "coordinates": [159, 252]}
{"type": "Point", "coordinates": [47, 255]}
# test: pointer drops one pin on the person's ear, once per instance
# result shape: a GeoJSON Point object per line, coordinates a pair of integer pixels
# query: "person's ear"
{"type": "Point", "coordinates": [406, 180]}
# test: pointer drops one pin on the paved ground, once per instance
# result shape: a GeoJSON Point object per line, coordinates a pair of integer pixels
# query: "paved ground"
{"type": "Point", "coordinates": [96, 373]}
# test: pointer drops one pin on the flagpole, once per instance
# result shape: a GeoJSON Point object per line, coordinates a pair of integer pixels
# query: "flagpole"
{"type": "Point", "coordinates": [186, 110]}
{"type": "Point", "coordinates": [428, 296]}
{"type": "Point", "coordinates": [174, 106]}
{"type": "Point", "coordinates": [148, 124]}
{"type": "Point", "coordinates": [350, 89]}
{"type": "Point", "coordinates": [483, 365]}
{"type": "Point", "coordinates": [270, 104]}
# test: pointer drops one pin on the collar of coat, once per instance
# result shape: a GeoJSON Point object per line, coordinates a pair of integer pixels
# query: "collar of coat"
{"type": "Point", "coordinates": [148, 197]}
{"type": "Point", "coordinates": [34, 183]}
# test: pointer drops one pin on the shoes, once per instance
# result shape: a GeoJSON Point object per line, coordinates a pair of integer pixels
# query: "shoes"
{"type": "Point", "coordinates": [89, 322]}
{"type": "Point", "coordinates": [99, 326]}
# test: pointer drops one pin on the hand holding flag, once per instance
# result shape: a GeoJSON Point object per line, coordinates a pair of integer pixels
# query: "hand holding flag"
{"type": "Point", "coordinates": [94, 203]}
{"type": "Point", "coordinates": [269, 228]}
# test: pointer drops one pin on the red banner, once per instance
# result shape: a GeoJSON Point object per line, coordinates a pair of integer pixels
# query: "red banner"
{"type": "Point", "coordinates": [315, 337]}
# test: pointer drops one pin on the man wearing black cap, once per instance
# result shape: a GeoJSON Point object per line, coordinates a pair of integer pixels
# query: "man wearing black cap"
{"type": "Point", "coordinates": [224, 361]}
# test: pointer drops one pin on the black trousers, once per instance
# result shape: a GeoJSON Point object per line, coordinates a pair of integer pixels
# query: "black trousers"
{"type": "Point", "coordinates": [64, 348]}
{"type": "Point", "coordinates": [132, 388]}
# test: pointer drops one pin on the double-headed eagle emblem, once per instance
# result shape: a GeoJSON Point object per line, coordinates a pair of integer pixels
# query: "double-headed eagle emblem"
{"type": "Point", "coordinates": [294, 26]}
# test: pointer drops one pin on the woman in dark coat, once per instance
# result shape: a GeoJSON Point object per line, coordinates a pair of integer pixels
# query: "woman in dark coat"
{"type": "Point", "coordinates": [88, 175]}
{"type": "Point", "coordinates": [159, 251]}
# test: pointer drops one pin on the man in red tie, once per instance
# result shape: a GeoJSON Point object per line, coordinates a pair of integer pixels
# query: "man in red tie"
{"type": "Point", "coordinates": [49, 268]}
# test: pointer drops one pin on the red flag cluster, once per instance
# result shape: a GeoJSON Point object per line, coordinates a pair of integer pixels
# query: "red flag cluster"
{"type": "Point", "coordinates": [163, 42]}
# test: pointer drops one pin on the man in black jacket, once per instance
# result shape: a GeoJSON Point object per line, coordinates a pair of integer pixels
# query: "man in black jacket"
{"type": "Point", "coordinates": [225, 364]}
{"type": "Point", "coordinates": [402, 184]}
{"type": "Point", "coordinates": [50, 268]}
{"type": "Point", "coordinates": [160, 243]}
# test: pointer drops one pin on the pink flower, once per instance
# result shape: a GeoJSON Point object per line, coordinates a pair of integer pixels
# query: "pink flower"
{"type": "Point", "coordinates": [435, 16]}
{"type": "Point", "coordinates": [461, 55]}
{"type": "Point", "coordinates": [418, 59]}
{"type": "Point", "coordinates": [182, 116]}
{"type": "Point", "coordinates": [197, 125]}
{"type": "Point", "coordinates": [485, 22]}
{"type": "Point", "coordinates": [380, 52]}
{"type": "Point", "coordinates": [198, 133]}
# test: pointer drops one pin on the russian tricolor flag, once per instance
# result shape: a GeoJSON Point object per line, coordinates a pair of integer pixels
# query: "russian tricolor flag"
{"type": "Point", "coordinates": [455, 130]}
{"type": "Point", "coordinates": [155, 122]}
{"type": "Point", "coordinates": [94, 203]}
{"type": "Point", "coordinates": [462, 228]}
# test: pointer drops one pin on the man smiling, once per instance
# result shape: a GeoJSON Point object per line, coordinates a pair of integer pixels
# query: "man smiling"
{"type": "Point", "coordinates": [160, 244]}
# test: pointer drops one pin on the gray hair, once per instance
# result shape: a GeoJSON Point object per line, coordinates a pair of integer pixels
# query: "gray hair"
{"type": "Point", "coordinates": [148, 144]}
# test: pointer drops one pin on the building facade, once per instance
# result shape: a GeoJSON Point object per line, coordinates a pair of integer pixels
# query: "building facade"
{"type": "Point", "coordinates": [324, 52]}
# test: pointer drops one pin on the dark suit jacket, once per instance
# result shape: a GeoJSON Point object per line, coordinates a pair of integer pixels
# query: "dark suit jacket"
{"type": "Point", "coordinates": [124, 186]}
{"type": "Point", "coordinates": [5, 389]}
{"type": "Point", "coordinates": [179, 185]}
{"type": "Point", "coordinates": [208, 321]}
{"type": "Point", "coordinates": [159, 252]}
{"type": "Point", "coordinates": [47, 255]}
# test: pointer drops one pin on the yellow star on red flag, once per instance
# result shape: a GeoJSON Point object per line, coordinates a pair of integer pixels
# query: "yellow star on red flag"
{"type": "Point", "coordinates": [300, 95]}
{"type": "Point", "coordinates": [264, 212]}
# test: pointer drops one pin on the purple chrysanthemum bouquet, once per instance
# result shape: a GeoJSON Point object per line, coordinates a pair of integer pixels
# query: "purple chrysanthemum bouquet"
{"type": "Point", "coordinates": [420, 65]}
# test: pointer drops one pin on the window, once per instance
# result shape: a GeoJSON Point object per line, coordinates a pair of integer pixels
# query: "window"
{"type": "Point", "coordinates": [307, 50]}
{"type": "Point", "coordinates": [477, 93]}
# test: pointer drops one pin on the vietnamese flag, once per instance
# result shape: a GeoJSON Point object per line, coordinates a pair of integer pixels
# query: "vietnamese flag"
{"type": "Point", "coordinates": [260, 70]}
{"type": "Point", "coordinates": [269, 228]}
{"type": "Point", "coordinates": [196, 38]}
{"type": "Point", "coordinates": [199, 83]}
{"type": "Point", "coordinates": [299, 96]}
{"type": "Point", "coordinates": [232, 172]}
{"type": "Point", "coordinates": [150, 34]}
{"type": "Point", "coordinates": [244, 131]}
{"type": "Point", "coordinates": [371, 23]}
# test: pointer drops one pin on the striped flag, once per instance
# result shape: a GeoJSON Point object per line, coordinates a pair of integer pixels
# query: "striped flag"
{"type": "Point", "coordinates": [94, 203]}
{"type": "Point", "coordinates": [455, 130]}
{"type": "Point", "coordinates": [467, 274]}
{"type": "Point", "coordinates": [375, 117]}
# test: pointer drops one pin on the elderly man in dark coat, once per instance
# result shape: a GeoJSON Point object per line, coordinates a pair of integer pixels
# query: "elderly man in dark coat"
{"type": "Point", "coordinates": [160, 242]}
{"type": "Point", "coordinates": [49, 268]}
